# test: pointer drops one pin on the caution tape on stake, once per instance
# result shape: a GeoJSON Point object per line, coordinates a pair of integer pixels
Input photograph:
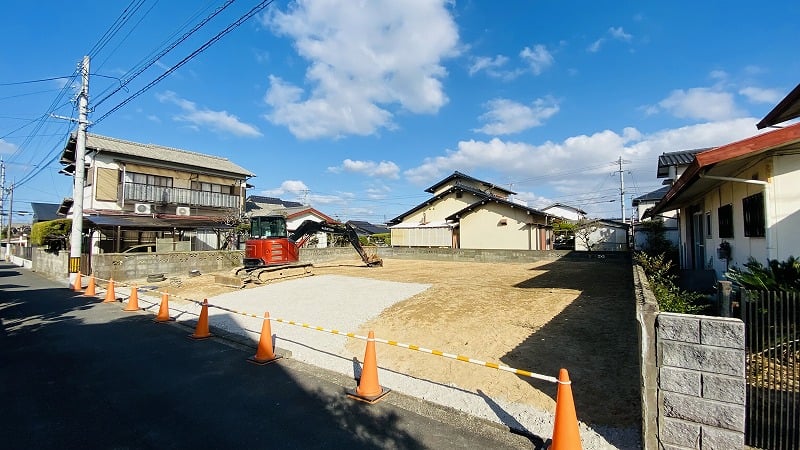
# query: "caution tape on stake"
{"type": "Point", "coordinates": [491, 365]}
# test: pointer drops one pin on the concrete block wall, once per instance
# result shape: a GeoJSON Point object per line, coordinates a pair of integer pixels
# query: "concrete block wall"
{"type": "Point", "coordinates": [701, 384]}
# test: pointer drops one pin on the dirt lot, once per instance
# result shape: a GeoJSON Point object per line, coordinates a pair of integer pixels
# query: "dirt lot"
{"type": "Point", "coordinates": [533, 316]}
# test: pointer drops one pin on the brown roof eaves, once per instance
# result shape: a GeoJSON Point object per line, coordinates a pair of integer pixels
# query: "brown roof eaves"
{"type": "Point", "coordinates": [746, 147]}
{"type": "Point", "coordinates": [787, 109]}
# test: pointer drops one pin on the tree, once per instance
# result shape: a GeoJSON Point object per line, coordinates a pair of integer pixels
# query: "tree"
{"type": "Point", "coordinates": [585, 233]}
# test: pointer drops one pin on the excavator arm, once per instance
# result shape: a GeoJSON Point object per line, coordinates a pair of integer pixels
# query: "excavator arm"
{"type": "Point", "coordinates": [310, 227]}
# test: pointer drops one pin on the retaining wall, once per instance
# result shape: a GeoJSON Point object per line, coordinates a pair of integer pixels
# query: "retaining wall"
{"type": "Point", "coordinates": [693, 384]}
{"type": "Point", "coordinates": [126, 266]}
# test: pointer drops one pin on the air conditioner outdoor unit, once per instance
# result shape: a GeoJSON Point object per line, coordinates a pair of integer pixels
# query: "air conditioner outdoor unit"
{"type": "Point", "coordinates": [143, 208]}
{"type": "Point", "coordinates": [183, 211]}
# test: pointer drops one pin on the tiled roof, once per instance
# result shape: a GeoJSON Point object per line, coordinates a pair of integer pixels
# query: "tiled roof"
{"type": "Point", "coordinates": [155, 153]}
{"type": "Point", "coordinates": [679, 158]}
{"type": "Point", "coordinates": [45, 211]}
{"type": "Point", "coordinates": [429, 201]}
{"type": "Point", "coordinates": [459, 175]}
{"type": "Point", "coordinates": [483, 201]}
{"type": "Point", "coordinates": [273, 201]}
{"type": "Point", "coordinates": [367, 227]}
{"type": "Point", "coordinates": [656, 195]}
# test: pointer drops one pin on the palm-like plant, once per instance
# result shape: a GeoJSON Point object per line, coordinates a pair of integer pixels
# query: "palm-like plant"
{"type": "Point", "coordinates": [775, 276]}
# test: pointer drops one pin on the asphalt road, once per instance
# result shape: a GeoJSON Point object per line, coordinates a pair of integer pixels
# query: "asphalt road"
{"type": "Point", "coordinates": [75, 372]}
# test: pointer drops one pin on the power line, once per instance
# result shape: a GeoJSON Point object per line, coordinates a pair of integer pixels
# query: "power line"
{"type": "Point", "coordinates": [40, 80]}
{"type": "Point", "coordinates": [155, 59]}
{"type": "Point", "coordinates": [202, 48]}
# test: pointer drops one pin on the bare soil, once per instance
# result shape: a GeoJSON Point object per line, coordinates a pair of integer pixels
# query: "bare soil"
{"type": "Point", "coordinates": [540, 317]}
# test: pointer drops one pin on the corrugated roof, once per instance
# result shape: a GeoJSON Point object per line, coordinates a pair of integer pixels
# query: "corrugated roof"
{"type": "Point", "coordinates": [154, 152]}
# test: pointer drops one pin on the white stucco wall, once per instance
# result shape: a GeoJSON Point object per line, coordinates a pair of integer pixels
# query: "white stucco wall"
{"type": "Point", "coordinates": [786, 190]}
{"type": "Point", "coordinates": [782, 202]}
{"type": "Point", "coordinates": [604, 238]}
{"type": "Point", "coordinates": [564, 213]}
{"type": "Point", "coordinates": [497, 226]}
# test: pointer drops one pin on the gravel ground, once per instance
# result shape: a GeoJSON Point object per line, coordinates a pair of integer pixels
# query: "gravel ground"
{"type": "Point", "coordinates": [345, 304]}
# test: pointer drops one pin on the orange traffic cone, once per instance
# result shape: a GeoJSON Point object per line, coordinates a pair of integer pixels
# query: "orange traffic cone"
{"type": "Point", "coordinates": [133, 300]}
{"type": "Point", "coordinates": [163, 310]}
{"type": "Point", "coordinates": [264, 353]}
{"type": "Point", "coordinates": [111, 297]}
{"type": "Point", "coordinates": [76, 285]}
{"type": "Point", "coordinates": [201, 330]}
{"type": "Point", "coordinates": [369, 390]}
{"type": "Point", "coordinates": [565, 429]}
{"type": "Point", "coordinates": [90, 289]}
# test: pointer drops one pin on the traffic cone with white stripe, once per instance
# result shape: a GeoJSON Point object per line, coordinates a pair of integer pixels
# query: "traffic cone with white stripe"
{"type": "Point", "coordinates": [133, 300]}
{"type": "Point", "coordinates": [369, 390]}
{"type": "Point", "coordinates": [566, 435]}
{"type": "Point", "coordinates": [264, 353]}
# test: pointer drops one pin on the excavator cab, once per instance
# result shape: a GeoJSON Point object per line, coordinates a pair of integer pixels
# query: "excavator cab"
{"type": "Point", "coordinates": [268, 227]}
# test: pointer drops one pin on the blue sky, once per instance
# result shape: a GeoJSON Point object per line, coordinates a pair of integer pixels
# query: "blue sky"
{"type": "Point", "coordinates": [356, 107]}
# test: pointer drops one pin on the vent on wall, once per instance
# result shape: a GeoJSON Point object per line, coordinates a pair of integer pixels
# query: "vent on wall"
{"type": "Point", "coordinates": [183, 211]}
{"type": "Point", "coordinates": [143, 208]}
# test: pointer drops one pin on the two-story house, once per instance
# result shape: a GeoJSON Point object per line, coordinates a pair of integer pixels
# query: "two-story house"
{"type": "Point", "coordinates": [465, 212]}
{"type": "Point", "coordinates": [140, 195]}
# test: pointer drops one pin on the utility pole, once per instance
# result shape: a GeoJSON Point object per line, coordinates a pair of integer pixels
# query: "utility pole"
{"type": "Point", "coordinates": [621, 172]}
{"type": "Point", "coordinates": [76, 235]}
{"type": "Point", "coordinates": [8, 233]}
{"type": "Point", "coordinates": [2, 188]}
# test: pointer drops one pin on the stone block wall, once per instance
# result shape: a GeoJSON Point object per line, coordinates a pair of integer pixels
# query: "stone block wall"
{"type": "Point", "coordinates": [701, 384]}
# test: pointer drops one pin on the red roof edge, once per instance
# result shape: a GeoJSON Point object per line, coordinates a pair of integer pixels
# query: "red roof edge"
{"type": "Point", "coordinates": [754, 144]}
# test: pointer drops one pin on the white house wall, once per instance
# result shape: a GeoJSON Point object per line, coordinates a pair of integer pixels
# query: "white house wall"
{"type": "Point", "coordinates": [784, 195]}
{"type": "Point", "coordinates": [322, 237]}
{"type": "Point", "coordinates": [604, 238]}
{"type": "Point", "coordinates": [422, 237]}
{"type": "Point", "coordinates": [786, 206]}
{"type": "Point", "coordinates": [439, 210]}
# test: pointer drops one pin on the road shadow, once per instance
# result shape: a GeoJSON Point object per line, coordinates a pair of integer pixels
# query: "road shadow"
{"type": "Point", "coordinates": [594, 338]}
{"type": "Point", "coordinates": [81, 373]}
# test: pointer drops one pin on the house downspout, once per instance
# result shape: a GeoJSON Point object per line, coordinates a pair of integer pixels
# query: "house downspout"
{"type": "Point", "coordinates": [769, 217]}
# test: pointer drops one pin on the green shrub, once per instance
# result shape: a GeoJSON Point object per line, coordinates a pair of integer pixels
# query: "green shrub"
{"type": "Point", "coordinates": [661, 276]}
{"type": "Point", "coordinates": [52, 228]}
{"type": "Point", "coordinates": [775, 276]}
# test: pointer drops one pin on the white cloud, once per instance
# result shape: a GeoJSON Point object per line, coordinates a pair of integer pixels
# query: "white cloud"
{"type": "Point", "coordinates": [365, 60]}
{"type": "Point", "coordinates": [701, 103]}
{"type": "Point", "coordinates": [760, 95]}
{"type": "Point", "coordinates": [615, 33]}
{"type": "Point", "coordinates": [507, 116]}
{"type": "Point", "coordinates": [486, 63]}
{"type": "Point", "coordinates": [579, 164]}
{"type": "Point", "coordinates": [620, 34]}
{"type": "Point", "coordinates": [383, 169]}
{"type": "Point", "coordinates": [296, 190]}
{"type": "Point", "coordinates": [7, 148]}
{"type": "Point", "coordinates": [538, 58]}
{"type": "Point", "coordinates": [220, 121]}
{"type": "Point", "coordinates": [594, 47]}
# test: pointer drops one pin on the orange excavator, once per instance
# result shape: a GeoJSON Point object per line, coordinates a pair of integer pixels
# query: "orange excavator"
{"type": "Point", "coordinates": [272, 253]}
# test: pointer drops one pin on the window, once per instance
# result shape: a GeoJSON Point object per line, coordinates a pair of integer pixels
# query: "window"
{"type": "Point", "coordinates": [211, 187]}
{"type": "Point", "coordinates": [708, 224]}
{"type": "Point", "coordinates": [725, 220]}
{"type": "Point", "coordinates": [753, 212]}
{"type": "Point", "coordinates": [149, 180]}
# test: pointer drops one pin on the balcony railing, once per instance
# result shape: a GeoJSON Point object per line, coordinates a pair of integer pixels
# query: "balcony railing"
{"type": "Point", "coordinates": [170, 195]}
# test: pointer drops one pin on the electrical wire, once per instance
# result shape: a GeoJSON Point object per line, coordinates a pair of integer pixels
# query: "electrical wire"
{"type": "Point", "coordinates": [161, 54]}
{"type": "Point", "coordinates": [185, 60]}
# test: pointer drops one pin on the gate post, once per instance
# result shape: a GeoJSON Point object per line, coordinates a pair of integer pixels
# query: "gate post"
{"type": "Point", "coordinates": [724, 289]}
